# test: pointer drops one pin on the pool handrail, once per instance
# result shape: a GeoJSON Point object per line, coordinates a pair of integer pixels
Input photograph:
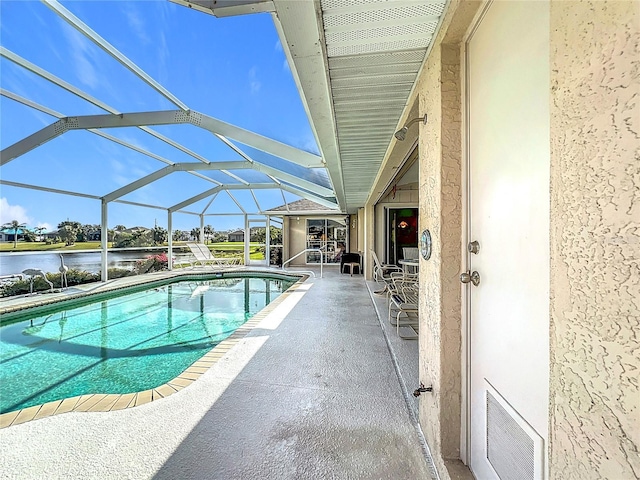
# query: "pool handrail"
{"type": "Point", "coordinates": [304, 251]}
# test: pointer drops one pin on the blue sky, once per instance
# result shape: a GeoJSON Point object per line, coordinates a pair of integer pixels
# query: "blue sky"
{"type": "Point", "coordinates": [232, 69]}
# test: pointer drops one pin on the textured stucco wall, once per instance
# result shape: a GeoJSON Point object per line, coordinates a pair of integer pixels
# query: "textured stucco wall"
{"type": "Point", "coordinates": [430, 293]}
{"type": "Point", "coordinates": [440, 95]}
{"type": "Point", "coordinates": [595, 240]}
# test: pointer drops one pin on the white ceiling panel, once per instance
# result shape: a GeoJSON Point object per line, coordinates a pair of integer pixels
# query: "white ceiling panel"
{"type": "Point", "coordinates": [355, 63]}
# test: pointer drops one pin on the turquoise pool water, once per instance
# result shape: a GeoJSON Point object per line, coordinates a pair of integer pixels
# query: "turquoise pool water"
{"type": "Point", "coordinates": [125, 343]}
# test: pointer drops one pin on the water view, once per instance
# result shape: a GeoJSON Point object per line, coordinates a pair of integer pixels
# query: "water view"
{"type": "Point", "coordinates": [15, 263]}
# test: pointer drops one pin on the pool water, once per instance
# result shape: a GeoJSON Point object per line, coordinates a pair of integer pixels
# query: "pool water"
{"type": "Point", "coordinates": [126, 343]}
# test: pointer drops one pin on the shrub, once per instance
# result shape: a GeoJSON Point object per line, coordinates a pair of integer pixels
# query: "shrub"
{"type": "Point", "coordinates": [119, 273]}
{"type": "Point", "coordinates": [152, 263]}
{"type": "Point", "coordinates": [74, 277]}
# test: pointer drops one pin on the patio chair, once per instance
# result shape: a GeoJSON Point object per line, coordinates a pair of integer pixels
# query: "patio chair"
{"type": "Point", "coordinates": [403, 305]}
{"type": "Point", "coordinates": [204, 257]}
{"type": "Point", "coordinates": [382, 271]}
{"type": "Point", "coordinates": [410, 253]}
{"type": "Point", "coordinates": [349, 262]}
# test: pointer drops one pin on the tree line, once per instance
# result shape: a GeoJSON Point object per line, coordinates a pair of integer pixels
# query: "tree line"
{"type": "Point", "coordinates": [71, 232]}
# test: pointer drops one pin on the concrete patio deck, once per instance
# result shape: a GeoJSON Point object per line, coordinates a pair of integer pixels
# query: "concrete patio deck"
{"type": "Point", "coordinates": [313, 391]}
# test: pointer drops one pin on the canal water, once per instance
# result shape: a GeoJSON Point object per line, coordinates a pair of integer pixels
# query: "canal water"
{"type": "Point", "coordinates": [15, 262]}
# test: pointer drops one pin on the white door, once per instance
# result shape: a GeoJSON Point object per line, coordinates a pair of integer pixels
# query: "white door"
{"type": "Point", "coordinates": [508, 191]}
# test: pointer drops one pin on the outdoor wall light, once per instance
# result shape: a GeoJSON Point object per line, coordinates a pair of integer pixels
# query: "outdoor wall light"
{"type": "Point", "coordinates": [402, 133]}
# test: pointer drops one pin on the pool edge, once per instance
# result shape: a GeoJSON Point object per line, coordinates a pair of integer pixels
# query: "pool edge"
{"type": "Point", "coordinates": [100, 402]}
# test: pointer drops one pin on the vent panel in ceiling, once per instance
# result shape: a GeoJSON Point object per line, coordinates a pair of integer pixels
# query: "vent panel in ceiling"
{"type": "Point", "coordinates": [415, 56]}
{"type": "Point", "coordinates": [424, 29]}
{"type": "Point", "coordinates": [408, 44]}
{"type": "Point", "coordinates": [374, 51]}
{"type": "Point", "coordinates": [341, 16]}
{"type": "Point", "coordinates": [376, 70]}
{"type": "Point", "coordinates": [327, 4]}
{"type": "Point", "coordinates": [373, 91]}
{"type": "Point", "coordinates": [386, 80]}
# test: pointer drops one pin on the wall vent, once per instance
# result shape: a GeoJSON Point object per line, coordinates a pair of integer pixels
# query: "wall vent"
{"type": "Point", "coordinates": [514, 449]}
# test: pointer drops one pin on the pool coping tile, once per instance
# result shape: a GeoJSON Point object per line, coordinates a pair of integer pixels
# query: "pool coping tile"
{"type": "Point", "coordinates": [48, 409]}
{"type": "Point", "coordinates": [143, 397]}
{"type": "Point", "coordinates": [103, 402]}
{"type": "Point", "coordinates": [123, 401]}
{"type": "Point", "coordinates": [7, 419]}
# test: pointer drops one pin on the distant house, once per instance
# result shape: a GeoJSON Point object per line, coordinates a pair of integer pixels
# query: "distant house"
{"type": "Point", "coordinates": [133, 230]}
{"type": "Point", "coordinates": [237, 236]}
{"type": "Point", "coordinates": [94, 236]}
{"type": "Point", "coordinates": [7, 234]}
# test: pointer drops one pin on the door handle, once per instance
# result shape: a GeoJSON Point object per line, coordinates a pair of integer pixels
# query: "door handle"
{"type": "Point", "coordinates": [473, 277]}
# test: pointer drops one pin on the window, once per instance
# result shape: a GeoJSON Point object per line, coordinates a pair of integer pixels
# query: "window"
{"type": "Point", "coordinates": [328, 235]}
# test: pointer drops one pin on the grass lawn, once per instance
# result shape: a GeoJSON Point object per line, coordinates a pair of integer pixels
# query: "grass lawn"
{"type": "Point", "coordinates": [235, 248]}
{"type": "Point", "coordinates": [43, 247]}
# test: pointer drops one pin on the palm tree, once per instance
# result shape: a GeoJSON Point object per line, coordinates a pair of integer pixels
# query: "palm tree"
{"type": "Point", "coordinates": [160, 235]}
{"type": "Point", "coordinates": [38, 231]}
{"type": "Point", "coordinates": [117, 230]}
{"type": "Point", "coordinates": [208, 232]}
{"type": "Point", "coordinates": [14, 225]}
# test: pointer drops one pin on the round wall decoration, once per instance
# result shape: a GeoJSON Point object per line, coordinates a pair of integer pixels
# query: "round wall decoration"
{"type": "Point", "coordinates": [425, 244]}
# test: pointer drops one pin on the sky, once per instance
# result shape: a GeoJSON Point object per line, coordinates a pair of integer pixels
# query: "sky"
{"type": "Point", "coordinates": [232, 69]}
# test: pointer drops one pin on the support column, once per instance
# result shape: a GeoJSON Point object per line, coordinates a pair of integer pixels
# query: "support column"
{"type": "Point", "coordinates": [246, 239]}
{"type": "Point", "coordinates": [170, 239]}
{"type": "Point", "coordinates": [267, 240]}
{"type": "Point", "coordinates": [104, 241]}
{"type": "Point", "coordinates": [201, 228]}
{"type": "Point", "coordinates": [369, 240]}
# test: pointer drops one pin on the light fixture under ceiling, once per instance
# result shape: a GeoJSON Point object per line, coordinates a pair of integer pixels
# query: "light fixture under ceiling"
{"type": "Point", "coordinates": [402, 133]}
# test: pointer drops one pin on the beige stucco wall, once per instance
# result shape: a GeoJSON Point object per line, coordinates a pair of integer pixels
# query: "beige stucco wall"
{"type": "Point", "coordinates": [440, 93]}
{"type": "Point", "coordinates": [595, 240]}
{"type": "Point", "coordinates": [297, 238]}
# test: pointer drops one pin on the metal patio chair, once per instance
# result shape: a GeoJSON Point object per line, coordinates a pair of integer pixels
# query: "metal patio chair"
{"type": "Point", "coordinates": [403, 305]}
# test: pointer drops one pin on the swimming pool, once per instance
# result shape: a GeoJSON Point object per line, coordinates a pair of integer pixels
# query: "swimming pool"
{"type": "Point", "coordinates": [123, 342]}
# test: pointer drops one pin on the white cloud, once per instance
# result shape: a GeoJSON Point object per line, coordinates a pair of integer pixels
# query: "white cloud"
{"type": "Point", "coordinates": [8, 213]}
{"type": "Point", "coordinates": [278, 46]}
{"type": "Point", "coordinates": [47, 227]}
{"type": "Point", "coordinates": [136, 23]}
{"type": "Point", "coordinates": [81, 57]}
{"type": "Point", "coordinates": [254, 83]}
{"type": "Point", "coordinates": [285, 66]}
